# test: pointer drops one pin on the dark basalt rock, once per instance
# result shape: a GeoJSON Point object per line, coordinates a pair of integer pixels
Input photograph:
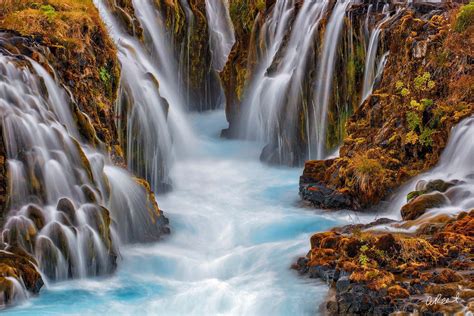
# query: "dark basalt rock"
{"type": "Point", "coordinates": [323, 197]}
{"type": "Point", "coordinates": [353, 227]}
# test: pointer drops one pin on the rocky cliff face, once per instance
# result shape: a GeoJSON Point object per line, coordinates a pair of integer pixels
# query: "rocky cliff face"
{"type": "Point", "coordinates": [402, 128]}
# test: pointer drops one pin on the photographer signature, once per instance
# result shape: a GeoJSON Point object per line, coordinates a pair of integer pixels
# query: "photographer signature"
{"type": "Point", "coordinates": [440, 300]}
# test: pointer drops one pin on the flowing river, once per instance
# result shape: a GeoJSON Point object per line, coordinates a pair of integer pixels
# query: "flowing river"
{"type": "Point", "coordinates": [236, 229]}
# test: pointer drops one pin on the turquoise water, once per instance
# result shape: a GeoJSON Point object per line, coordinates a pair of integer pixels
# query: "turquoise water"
{"type": "Point", "coordinates": [237, 226]}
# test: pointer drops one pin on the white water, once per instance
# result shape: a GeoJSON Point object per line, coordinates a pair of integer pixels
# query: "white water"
{"type": "Point", "coordinates": [374, 69]}
{"type": "Point", "coordinates": [157, 128]}
{"type": "Point", "coordinates": [59, 187]}
{"type": "Point", "coordinates": [236, 229]}
{"type": "Point", "coordinates": [456, 163]}
{"type": "Point", "coordinates": [325, 79]}
{"type": "Point", "coordinates": [370, 60]}
{"type": "Point", "coordinates": [221, 32]}
{"type": "Point", "coordinates": [274, 100]}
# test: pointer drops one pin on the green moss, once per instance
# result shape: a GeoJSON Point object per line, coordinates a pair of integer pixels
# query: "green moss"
{"type": "Point", "coordinates": [465, 17]}
{"type": "Point", "coordinates": [425, 137]}
{"type": "Point", "coordinates": [260, 5]}
{"type": "Point", "coordinates": [363, 259]}
{"type": "Point", "coordinates": [49, 11]}
{"type": "Point", "coordinates": [413, 120]}
{"type": "Point", "coordinates": [104, 75]}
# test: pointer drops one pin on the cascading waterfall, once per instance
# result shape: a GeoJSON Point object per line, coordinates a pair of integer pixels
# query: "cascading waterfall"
{"type": "Point", "coordinates": [185, 54]}
{"type": "Point", "coordinates": [65, 205]}
{"type": "Point", "coordinates": [370, 61]}
{"type": "Point", "coordinates": [326, 66]}
{"type": "Point", "coordinates": [275, 97]}
{"type": "Point", "coordinates": [156, 127]}
{"type": "Point", "coordinates": [374, 69]}
{"type": "Point", "coordinates": [254, 124]}
{"type": "Point", "coordinates": [455, 165]}
{"type": "Point", "coordinates": [221, 32]}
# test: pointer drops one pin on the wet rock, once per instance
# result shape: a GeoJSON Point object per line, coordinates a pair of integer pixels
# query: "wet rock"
{"type": "Point", "coordinates": [397, 291]}
{"type": "Point", "coordinates": [343, 284]}
{"type": "Point", "coordinates": [358, 227]}
{"type": "Point", "coordinates": [447, 276]}
{"type": "Point", "coordinates": [19, 266]}
{"type": "Point", "coordinates": [323, 197]}
{"type": "Point", "coordinates": [66, 206]}
{"type": "Point", "coordinates": [35, 213]}
{"type": "Point", "coordinates": [419, 205]}
{"type": "Point", "coordinates": [89, 194]}
{"type": "Point", "coordinates": [424, 187]}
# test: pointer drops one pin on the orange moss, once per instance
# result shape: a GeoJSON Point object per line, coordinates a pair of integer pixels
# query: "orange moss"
{"type": "Point", "coordinates": [401, 129]}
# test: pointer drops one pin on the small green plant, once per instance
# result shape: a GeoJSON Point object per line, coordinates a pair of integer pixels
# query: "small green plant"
{"type": "Point", "coordinates": [104, 75]}
{"type": "Point", "coordinates": [465, 17]}
{"type": "Point", "coordinates": [425, 137]}
{"type": "Point", "coordinates": [363, 259]}
{"type": "Point", "coordinates": [399, 85]}
{"type": "Point", "coordinates": [424, 82]}
{"type": "Point", "coordinates": [405, 92]}
{"type": "Point", "coordinates": [381, 254]}
{"type": "Point", "coordinates": [49, 11]}
{"type": "Point", "coordinates": [426, 103]}
{"type": "Point", "coordinates": [411, 138]}
{"type": "Point", "coordinates": [414, 121]}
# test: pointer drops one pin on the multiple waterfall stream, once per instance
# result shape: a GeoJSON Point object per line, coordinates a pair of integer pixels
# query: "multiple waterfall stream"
{"type": "Point", "coordinates": [236, 222]}
{"type": "Point", "coordinates": [289, 98]}
{"type": "Point", "coordinates": [63, 193]}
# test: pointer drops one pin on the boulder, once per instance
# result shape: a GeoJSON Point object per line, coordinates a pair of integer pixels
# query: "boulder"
{"type": "Point", "coordinates": [419, 205]}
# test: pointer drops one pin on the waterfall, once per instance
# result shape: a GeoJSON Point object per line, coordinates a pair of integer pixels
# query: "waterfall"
{"type": "Point", "coordinates": [274, 97]}
{"type": "Point", "coordinates": [65, 206]}
{"type": "Point", "coordinates": [370, 71]}
{"type": "Point", "coordinates": [456, 165]}
{"type": "Point", "coordinates": [156, 127]}
{"type": "Point", "coordinates": [317, 146]}
{"type": "Point", "coordinates": [185, 55]}
{"type": "Point", "coordinates": [373, 70]}
{"type": "Point", "coordinates": [255, 122]}
{"type": "Point", "coordinates": [221, 32]}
